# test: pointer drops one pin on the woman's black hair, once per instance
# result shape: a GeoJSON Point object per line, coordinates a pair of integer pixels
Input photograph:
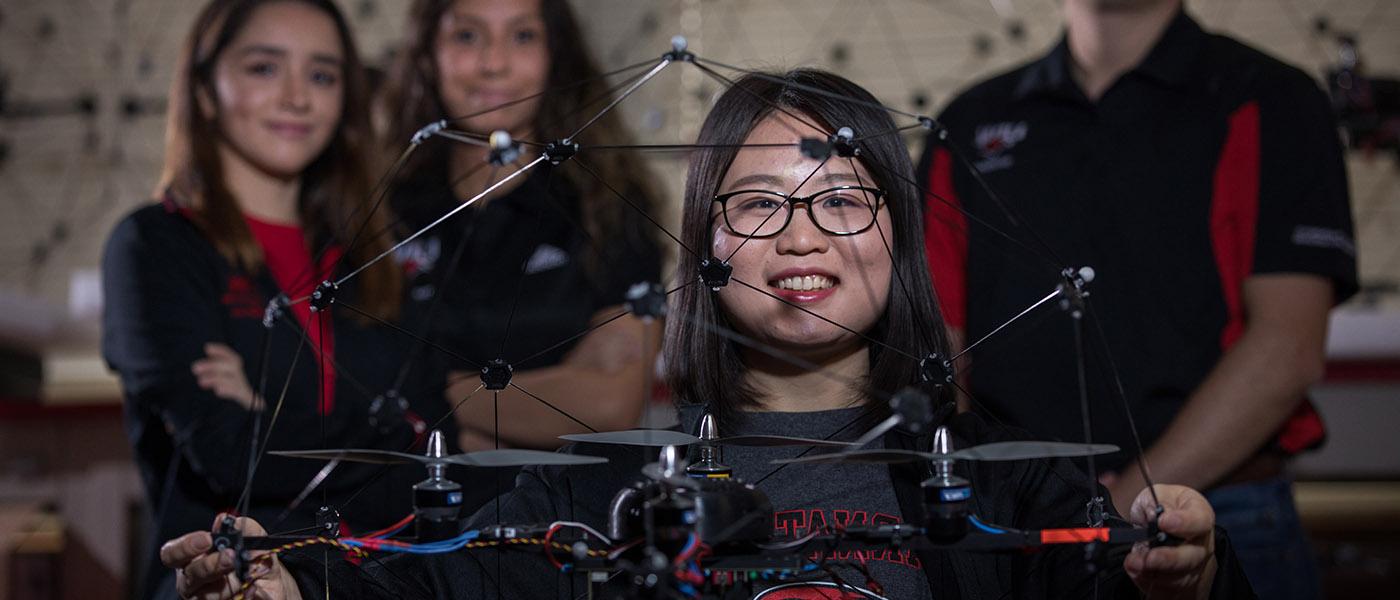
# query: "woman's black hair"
{"type": "Point", "coordinates": [703, 368]}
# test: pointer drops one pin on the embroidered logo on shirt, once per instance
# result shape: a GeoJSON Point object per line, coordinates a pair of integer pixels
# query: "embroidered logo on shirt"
{"type": "Point", "coordinates": [994, 141]}
{"type": "Point", "coordinates": [1324, 237]}
{"type": "Point", "coordinates": [242, 299]}
{"type": "Point", "coordinates": [546, 257]}
{"type": "Point", "coordinates": [419, 256]}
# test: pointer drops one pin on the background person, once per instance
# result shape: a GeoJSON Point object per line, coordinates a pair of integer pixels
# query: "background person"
{"type": "Point", "coordinates": [1204, 183]}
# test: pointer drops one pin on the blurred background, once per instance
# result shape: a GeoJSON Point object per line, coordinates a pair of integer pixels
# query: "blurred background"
{"type": "Point", "coordinates": [82, 99]}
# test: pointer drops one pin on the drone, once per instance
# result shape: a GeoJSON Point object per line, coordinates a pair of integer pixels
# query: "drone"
{"type": "Point", "coordinates": [694, 526]}
{"type": "Point", "coordinates": [699, 516]}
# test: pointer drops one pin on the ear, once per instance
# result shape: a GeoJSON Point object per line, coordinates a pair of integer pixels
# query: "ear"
{"type": "Point", "coordinates": [205, 100]}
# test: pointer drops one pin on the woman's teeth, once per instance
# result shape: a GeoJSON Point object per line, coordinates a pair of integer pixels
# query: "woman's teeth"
{"type": "Point", "coordinates": [805, 283]}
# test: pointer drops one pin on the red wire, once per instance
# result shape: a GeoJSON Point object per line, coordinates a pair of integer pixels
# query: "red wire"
{"type": "Point", "coordinates": [402, 523]}
{"type": "Point", "coordinates": [549, 551]}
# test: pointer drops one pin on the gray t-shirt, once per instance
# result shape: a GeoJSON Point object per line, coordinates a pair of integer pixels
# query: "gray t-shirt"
{"type": "Point", "coordinates": [811, 497]}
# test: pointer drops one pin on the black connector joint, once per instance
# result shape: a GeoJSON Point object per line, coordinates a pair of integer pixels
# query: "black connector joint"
{"type": "Point", "coordinates": [324, 296]}
{"type": "Point", "coordinates": [560, 151]}
{"type": "Point", "coordinates": [228, 537]}
{"type": "Point", "coordinates": [844, 143]}
{"type": "Point", "coordinates": [387, 410]}
{"type": "Point", "coordinates": [715, 273]}
{"type": "Point", "coordinates": [936, 369]}
{"type": "Point", "coordinates": [496, 375]}
{"type": "Point", "coordinates": [1074, 289]}
{"type": "Point", "coordinates": [328, 522]}
{"type": "Point", "coordinates": [646, 300]}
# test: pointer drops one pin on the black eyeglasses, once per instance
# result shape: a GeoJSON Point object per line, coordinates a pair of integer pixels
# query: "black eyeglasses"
{"type": "Point", "coordinates": [842, 210]}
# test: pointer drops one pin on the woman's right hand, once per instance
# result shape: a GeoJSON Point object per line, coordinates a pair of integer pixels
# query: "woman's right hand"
{"type": "Point", "coordinates": [204, 575]}
{"type": "Point", "coordinates": [221, 372]}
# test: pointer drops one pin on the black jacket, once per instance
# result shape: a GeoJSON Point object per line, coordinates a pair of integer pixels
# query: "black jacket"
{"type": "Point", "coordinates": [1025, 494]}
{"type": "Point", "coordinates": [168, 292]}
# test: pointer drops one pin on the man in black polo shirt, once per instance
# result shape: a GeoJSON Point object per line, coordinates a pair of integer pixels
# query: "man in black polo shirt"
{"type": "Point", "coordinates": [1204, 183]}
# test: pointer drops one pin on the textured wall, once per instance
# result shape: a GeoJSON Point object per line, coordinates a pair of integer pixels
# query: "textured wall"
{"type": "Point", "coordinates": [82, 84]}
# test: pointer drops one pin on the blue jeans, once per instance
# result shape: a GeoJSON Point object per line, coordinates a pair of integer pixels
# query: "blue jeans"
{"type": "Point", "coordinates": [1268, 538]}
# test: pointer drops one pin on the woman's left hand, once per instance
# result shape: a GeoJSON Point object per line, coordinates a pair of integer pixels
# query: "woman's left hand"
{"type": "Point", "coordinates": [1183, 571]}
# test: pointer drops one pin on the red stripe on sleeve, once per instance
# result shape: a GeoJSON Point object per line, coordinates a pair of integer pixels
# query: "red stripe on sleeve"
{"type": "Point", "coordinates": [945, 240]}
{"type": "Point", "coordinates": [1233, 212]}
{"type": "Point", "coordinates": [1233, 217]}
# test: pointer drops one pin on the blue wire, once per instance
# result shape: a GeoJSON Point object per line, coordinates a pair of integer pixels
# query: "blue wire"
{"type": "Point", "coordinates": [983, 526]}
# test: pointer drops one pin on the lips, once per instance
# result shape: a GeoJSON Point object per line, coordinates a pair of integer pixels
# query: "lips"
{"type": "Point", "coordinates": [289, 129]}
{"type": "Point", "coordinates": [490, 98]}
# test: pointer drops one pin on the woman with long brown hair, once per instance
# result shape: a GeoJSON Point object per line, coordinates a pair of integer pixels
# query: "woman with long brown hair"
{"type": "Point", "coordinates": [264, 187]}
{"type": "Point", "coordinates": [547, 253]}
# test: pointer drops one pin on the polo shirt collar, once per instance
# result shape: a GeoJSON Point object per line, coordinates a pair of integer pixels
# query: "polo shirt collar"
{"type": "Point", "coordinates": [1169, 61]}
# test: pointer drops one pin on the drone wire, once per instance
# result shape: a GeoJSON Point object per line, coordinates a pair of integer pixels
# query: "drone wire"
{"type": "Point", "coordinates": [639, 210]}
{"type": "Point", "coordinates": [465, 138]}
{"type": "Point", "coordinates": [553, 407]}
{"type": "Point", "coordinates": [379, 192]}
{"type": "Point", "coordinates": [986, 188]}
{"type": "Point", "coordinates": [809, 311]}
{"type": "Point", "coordinates": [1123, 398]}
{"type": "Point", "coordinates": [449, 214]}
{"type": "Point", "coordinates": [515, 301]}
{"type": "Point", "coordinates": [967, 214]}
{"type": "Point", "coordinates": [272, 422]}
{"type": "Point", "coordinates": [754, 95]}
{"type": "Point", "coordinates": [925, 337]}
{"type": "Point", "coordinates": [555, 89]}
{"type": "Point", "coordinates": [807, 88]}
{"type": "Point", "coordinates": [635, 85]}
{"type": "Point", "coordinates": [254, 414]}
{"type": "Point", "coordinates": [1026, 311]}
{"type": "Point", "coordinates": [786, 202]}
{"type": "Point", "coordinates": [679, 147]}
{"type": "Point", "coordinates": [596, 326]}
{"type": "Point", "coordinates": [893, 130]}
{"type": "Point", "coordinates": [1095, 500]}
{"type": "Point", "coordinates": [421, 339]}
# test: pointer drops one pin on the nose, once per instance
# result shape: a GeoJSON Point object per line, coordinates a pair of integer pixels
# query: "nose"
{"type": "Point", "coordinates": [296, 93]}
{"type": "Point", "coordinates": [801, 235]}
{"type": "Point", "coordinates": [494, 58]}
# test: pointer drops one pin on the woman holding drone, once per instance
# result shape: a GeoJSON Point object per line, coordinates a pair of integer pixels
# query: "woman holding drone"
{"type": "Point", "coordinates": [266, 177]}
{"type": "Point", "coordinates": [826, 310]}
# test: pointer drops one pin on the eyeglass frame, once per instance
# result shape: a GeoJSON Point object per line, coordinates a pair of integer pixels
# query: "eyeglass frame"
{"type": "Point", "coordinates": [792, 201]}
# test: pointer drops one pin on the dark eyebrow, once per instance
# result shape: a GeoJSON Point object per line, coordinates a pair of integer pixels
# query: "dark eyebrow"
{"type": "Point", "coordinates": [832, 177]}
{"type": "Point", "coordinates": [775, 181]}
{"type": "Point", "coordinates": [760, 178]}
{"type": "Point", "coordinates": [327, 59]}
{"type": "Point", "coordinates": [273, 50]}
